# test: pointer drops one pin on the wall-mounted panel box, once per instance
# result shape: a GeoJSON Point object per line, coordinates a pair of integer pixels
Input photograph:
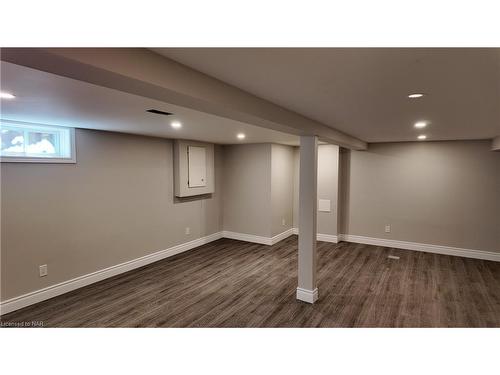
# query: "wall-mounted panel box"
{"type": "Point", "coordinates": [324, 205]}
{"type": "Point", "coordinates": [193, 168]}
{"type": "Point", "coordinates": [197, 166]}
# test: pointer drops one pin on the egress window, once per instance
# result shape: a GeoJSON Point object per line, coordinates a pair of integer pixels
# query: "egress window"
{"type": "Point", "coordinates": [25, 142]}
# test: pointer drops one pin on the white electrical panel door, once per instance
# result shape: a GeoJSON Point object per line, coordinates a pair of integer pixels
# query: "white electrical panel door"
{"type": "Point", "coordinates": [197, 166]}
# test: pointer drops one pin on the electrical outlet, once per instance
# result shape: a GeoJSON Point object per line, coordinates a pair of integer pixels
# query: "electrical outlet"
{"type": "Point", "coordinates": [188, 230]}
{"type": "Point", "coordinates": [283, 222]}
{"type": "Point", "coordinates": [388, 228]}
{"type": "Point", "coordinates": [43, 270]}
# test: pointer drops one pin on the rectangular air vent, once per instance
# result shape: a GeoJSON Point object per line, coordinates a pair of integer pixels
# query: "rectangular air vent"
{"type": "Point", "coordinates": [158, 112]}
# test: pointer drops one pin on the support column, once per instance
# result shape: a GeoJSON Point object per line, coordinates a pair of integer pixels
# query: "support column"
{"type": "Point", "coordinates": [307, 290]}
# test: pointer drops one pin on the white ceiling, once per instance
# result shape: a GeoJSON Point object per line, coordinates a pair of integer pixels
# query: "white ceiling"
{"type": "Point", "coordinates": [363, 92]}
{"type": "Point", "coordinates": [50, 99]}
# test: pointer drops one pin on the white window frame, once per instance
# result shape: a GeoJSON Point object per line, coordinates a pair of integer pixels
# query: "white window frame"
{"type": "Point", "coordinates": [41, 159]}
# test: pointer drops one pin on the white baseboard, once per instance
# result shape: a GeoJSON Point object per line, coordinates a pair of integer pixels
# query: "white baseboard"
{"type": "Point", "coordinates": [247, 237]}
{"type": "Point", "coordinates": [302, 294]}
{"type": "Point", "coordinates": [415, 246]}
{"type": "Point", "coordinates": [306, 295]}
{"type": "Point", "coordinates": [327, 238]}
{"type": "Point", "coordinates": [321, 237]}
{"type": "Point", "coordinates": [36, 296]}
{"type": "Point", "coordinates": [40, 295]}
{"type": "Point", "coordinates": [281, 236]}
{"type": "Point", "coordinates": [257, 239]}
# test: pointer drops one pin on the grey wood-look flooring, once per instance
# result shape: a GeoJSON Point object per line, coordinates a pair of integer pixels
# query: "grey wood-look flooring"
{"type": "Point", "coordinates": [230, 283]}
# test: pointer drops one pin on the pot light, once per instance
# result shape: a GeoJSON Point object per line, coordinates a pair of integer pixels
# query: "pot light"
{"type": "Point", "coordinates": [240, 136]}
{"type": "Point", "coordinates": [176, 124]}
{"type": "Point", "coordinates": [6, 95]}
{"type": "Point", "coordinates": [422, 137]}
{"type": "Point", "coordinates": [415, 95]}
{"type": "Point", "coordinates": [420, 124]}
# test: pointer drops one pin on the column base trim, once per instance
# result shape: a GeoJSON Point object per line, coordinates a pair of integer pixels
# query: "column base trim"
{"type": "Point", "coordinates": [306, 295]}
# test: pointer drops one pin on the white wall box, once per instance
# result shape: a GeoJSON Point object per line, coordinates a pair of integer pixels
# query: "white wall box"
{"type": "Point", "coordinates": [324, 205]}
{"type": "Point", "coordinates": [193, 168]}
{"type": "Point", "coordinates": [197, 166]}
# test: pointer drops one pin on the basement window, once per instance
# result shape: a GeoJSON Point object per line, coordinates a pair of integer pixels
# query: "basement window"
{"type": "Point", "coordinates": [34, 143]}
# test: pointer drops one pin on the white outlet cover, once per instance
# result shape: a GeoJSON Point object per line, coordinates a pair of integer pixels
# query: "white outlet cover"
{"type": "Point", "coordinates": [324, 205]}
{"type": "Point", "coordinates": [43, 270]}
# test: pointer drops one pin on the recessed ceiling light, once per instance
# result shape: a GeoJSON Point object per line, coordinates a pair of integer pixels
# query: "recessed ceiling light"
{"type": "Point", "coordinates": [415, 95]}
{"type": "Point", "coordinates": [176, 124]}
{"type": "Point", "coordinates": [241, 136]}
{"type": "Point", "coordinates": [422, 137]}
{"type": "Point", "coordinates": [420, 124]}
{"type": "Point", "coordinates": [6, 95]}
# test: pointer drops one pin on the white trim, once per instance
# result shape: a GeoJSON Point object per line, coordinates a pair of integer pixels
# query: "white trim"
{"type": "Point", "coordinates": [281, 236]}
{"type": "Point", "coordinates": [326, 238]}
{"type": "Point", "coordinates": [17, 159]}
{"type": "Point", "coordinates": [306, 295]}
{"type": "Point", "coordinates": [321, 236]}
{"type": "Point", "coordinates": [258, 239]}
{"type": "Point", "coordinates": [31, 298]}
{"type": "Point", "coordinates": [46, 159]}
{"type": "Point", "coordinates": [415, 246]}
{"type": "Point", "coordinates": [302, 294]}
{"type": "Point", "coordinates": [247, 237]}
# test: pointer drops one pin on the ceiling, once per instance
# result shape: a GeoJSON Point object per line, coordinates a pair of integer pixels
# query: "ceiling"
{"type": "Point", "coordinates": [46, 98]}
{"type": "Point", "coordinates": [363, 91]}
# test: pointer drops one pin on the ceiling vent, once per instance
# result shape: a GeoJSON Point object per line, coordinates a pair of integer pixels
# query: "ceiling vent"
{"type": "Point", "coordinates": [158, 112]}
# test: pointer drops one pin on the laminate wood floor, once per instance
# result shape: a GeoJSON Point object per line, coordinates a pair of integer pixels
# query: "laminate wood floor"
{"type": "Point", "coordinates": [230, 283]}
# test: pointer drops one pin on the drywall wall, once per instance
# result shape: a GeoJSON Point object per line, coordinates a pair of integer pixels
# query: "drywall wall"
{"type": "Point", "coordinates": [258, 188]}
{"type": "Point", "coordinates": [328, 188]}
{"type": "Point", "coordinates": [246, 203]}
{"type": "Point", "coordinates": [344, 176]}
{"type": "Point", "coordinates": [440, 193]}
{"type": "Point", "coordinates": [282, 169]}
{"type": "Point", "coordinates": [115, 204]}
{"type": "Point", "coordinates": [296, 184]}
{"type": "Point", "coordinates": [328, 169]}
